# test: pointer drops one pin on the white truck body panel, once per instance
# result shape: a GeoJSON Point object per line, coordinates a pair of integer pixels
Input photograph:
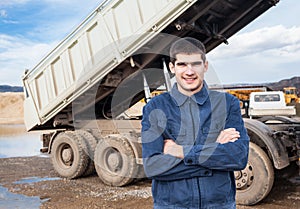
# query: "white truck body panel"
{"type": "Point", "coordinates": [269, 103]}
{"type": "Point", "coordinates": [103, 40]}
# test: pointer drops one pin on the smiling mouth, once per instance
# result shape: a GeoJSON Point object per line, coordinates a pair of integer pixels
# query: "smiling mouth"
{"type": "Point", "coordinates": [188, 80]}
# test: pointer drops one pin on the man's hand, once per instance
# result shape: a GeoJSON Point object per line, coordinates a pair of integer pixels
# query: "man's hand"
{"type": "Point", "coordinates": [228, 135]}
{"type": "Point", "coordinates": [172, 148]}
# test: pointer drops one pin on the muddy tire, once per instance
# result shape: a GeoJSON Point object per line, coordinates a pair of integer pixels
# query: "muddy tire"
{"type": "Point", "coordinates": [254, 182]}
{"type": "Point", "coordinates": [68, 155]}
{"type": "Point", "coordinates": [115, 161]}
{"type": "Point", "coordinates": [91, 143]}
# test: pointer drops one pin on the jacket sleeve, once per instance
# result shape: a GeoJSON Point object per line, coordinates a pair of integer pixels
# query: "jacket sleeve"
{"type": "Point", "coordinates": [158, 165]}
{"type": "Point", "coordinates": [228, 156]}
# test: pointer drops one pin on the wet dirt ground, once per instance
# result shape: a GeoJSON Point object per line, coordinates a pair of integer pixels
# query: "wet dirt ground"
{"type": "Point", "coordinates": [31, 182]}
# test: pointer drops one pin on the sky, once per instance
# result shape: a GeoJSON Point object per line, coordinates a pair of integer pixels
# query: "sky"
{"type": "Point", "coordinates": [267, 50]}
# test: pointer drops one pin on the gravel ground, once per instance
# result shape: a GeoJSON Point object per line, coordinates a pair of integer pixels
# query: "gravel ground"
{"type": "Point", "coordinates": [31, 182]}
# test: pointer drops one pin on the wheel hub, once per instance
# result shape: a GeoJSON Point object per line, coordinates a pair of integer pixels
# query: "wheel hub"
{"type": "Point", "coordinates": [114, 161]}
{"type": "Point", "coordinates": [244, 178]}
{"type": "Point", "coordinates": [67, 155]}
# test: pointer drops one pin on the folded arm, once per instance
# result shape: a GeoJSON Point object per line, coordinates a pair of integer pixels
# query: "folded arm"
{"type": "Point", "coordinates": [165, 160]}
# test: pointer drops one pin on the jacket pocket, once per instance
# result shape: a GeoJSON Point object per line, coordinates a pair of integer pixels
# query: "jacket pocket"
{"type": "Point", "coordinates": [220, 188]}
{"type": "Point", "coordinates": [160, 192]}
{"type": "Point", "coordinates": [178, 133]}
{"type": "Point", "coordinates": [182, 192]}
{"type": "Point", "coordinates": [173, 193]}
{"type": "Point", "coordinates": [174, 131]}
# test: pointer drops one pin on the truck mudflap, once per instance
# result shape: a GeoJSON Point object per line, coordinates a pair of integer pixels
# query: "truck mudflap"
{"type": "Point", "coordinates": [263, 136]}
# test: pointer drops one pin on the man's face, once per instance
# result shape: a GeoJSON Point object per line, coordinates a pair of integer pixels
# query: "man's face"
{"type": "Point", "coordinates": [189, 71]}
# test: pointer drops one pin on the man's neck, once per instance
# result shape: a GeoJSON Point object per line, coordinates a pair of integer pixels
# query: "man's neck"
{"type": "Point", "coordinates": [191, 92]}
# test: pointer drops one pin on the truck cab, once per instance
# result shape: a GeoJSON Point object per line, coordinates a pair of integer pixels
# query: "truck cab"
{"type": "Point", "coordinates": [269, 103]}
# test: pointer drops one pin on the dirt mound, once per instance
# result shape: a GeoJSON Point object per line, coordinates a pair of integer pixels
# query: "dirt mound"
{"type": "Point", "coordinates": [11, 108]}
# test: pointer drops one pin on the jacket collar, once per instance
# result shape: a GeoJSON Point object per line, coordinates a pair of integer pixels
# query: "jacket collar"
{"type": "Point", "coordinates": [199, 97]}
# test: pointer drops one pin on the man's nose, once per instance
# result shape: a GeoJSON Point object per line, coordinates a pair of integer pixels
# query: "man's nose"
{"type": "Point", "coordinates": [189, 69]}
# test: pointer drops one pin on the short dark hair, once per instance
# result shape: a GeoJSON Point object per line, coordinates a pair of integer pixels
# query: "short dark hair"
{"type": "Point", "coordinates": [187, 45]}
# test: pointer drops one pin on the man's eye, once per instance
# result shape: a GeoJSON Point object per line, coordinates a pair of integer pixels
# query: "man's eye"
{"type": "Point", "coordinates": [181, 64]}
{"type": "Point", "coordinates": [197, 63]}
{"type": "Point", "coordinates": [192, 64]}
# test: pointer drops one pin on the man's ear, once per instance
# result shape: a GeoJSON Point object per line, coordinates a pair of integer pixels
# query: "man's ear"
{"type": "Point", "coordinates": [172, 67]}
{"type": "Point", "coordinates": [205, 66]}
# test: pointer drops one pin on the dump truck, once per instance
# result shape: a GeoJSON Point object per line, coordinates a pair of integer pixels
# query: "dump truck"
{"type": "Point", "coordinates": [117, 56]}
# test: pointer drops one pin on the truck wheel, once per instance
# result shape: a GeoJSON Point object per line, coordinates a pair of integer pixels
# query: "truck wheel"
{"type": "Point", "coordinates": [68, 155]}
{"type": "Point", "coordinates": [254, 182]}
{"type": "Point", "coordinates": [115, 161]}
{"type": "Point", "coordinates": [91, 143]}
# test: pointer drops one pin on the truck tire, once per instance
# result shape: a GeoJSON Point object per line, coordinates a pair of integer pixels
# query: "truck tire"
{"type": "Point", "coordinates": [115, 161]}
{"type": "Point", "coordinates": [68, 155]}
{"type": "Point", "coordinates": [91, 143]}
{"type": "Point", "coordinates": [254, 182]}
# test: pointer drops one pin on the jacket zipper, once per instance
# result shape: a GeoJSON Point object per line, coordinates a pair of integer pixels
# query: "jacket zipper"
{"type": "Point", "coordinates": [193, 122]}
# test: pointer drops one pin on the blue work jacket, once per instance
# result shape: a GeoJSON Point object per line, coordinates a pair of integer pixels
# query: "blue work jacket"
{"type": "Point", "coordinates": [204, 178]}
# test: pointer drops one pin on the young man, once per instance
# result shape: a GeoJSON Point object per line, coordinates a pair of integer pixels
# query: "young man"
{"type": "Point", "coordinates": [193, 138]}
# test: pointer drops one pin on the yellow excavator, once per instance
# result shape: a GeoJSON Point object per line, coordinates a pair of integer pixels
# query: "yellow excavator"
{"type": "Point", "coordinates": [291, 96]}
{"type": "Point", "coordinates": [243, 94]}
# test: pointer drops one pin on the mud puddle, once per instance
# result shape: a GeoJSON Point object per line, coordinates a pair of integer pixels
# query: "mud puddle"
{"type": "Point", "coordinates": [31, 180]}
{"type": "Point", "coordinates": [11, 200]}
{"type": "Point", "coordinates": [16, 142]}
